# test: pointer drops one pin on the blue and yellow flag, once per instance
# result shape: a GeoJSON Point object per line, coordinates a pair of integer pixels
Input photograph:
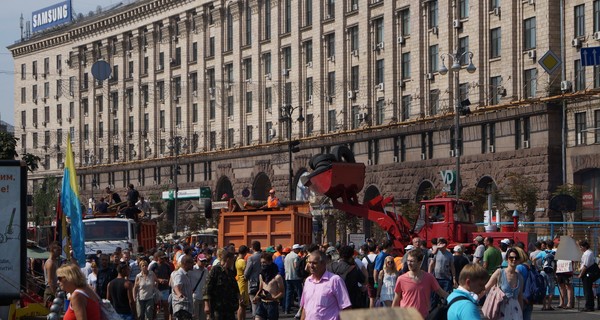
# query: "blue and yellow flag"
{"type": "Point", "coordinates": [69, 198]}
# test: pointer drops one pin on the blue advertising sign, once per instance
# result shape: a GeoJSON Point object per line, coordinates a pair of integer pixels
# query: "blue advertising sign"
{"type": "Point", "coordinates": [51, 16]}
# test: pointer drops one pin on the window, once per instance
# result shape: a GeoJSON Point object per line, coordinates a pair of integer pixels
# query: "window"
{"type": "Point", "coordinates": [579, 73]}
{"type": "Point", "coordinates": [23, 71]}
{"type": "Point", "coordinates": [211, 46]}
{"type": "Point", "coordinates": [331, 121]}
{"type": "Point", "coordinates": [248, 135]}
{"type": "Point", "coordinates": [194, 113]}
{"type": "Point", "coordinates": [248, 10]}
{"type": "Point", "coordinates": [379, 71]}
{"type": "Point", "coordinates": [230, 137]}
{"type": "Point", "coordinates": [433, 14]}
{"type": "Point", "coordinates": [404, 22]}
{"type": "Point", "coordinates": [522, 132]}
{"type": "Point", "coordinates": [530, 34]}
{"type": "Point", "coordinates": [405, 65]}
{"type": "Point", "coordinates": [434, 102]}
{"type": "Point", "coordinates": [269, 127]}
{"type": "Point", "coordinates": [463, 91]}
{"type": "Point", "coordinates": [267, 63]}
{"type": "Point", "coordinates": [354, 114]}
{"type": "Point", "coordinates": [494, 4]}
{"type": "Point", "coordinates": [248, 102]}
{"type": "Point", "coordinates": [161, 119]}
{"type": "Point", "coordinates": [23, 95]}
{"type": "Point", "coordinates": [230, 106]}
{"type": "Point", "coordinates": [160, 86]}
{"type": "Point", "coordinates": [495, 42]}
{"type": "Point", "coordinates": [330, 41]}
{"type": "Point", "coordinates": [194, 56]}
{"type": "Point", "coordinates": [596, 76]}
{"type": "Point", "coordinates": [463, 9]}
{"type": "Point", "coordinates": [379, 111]}
{"type": "Point", "coordinates": [433, 58]}
{"type": "Point", "coordinates": [85, 106]}
{"type": "Point", "coordinates": [147, 122]}
{"type": "Point", "coordinates": [530, 83]}
{"type": "Point", "coordinates": [267, 19]}
{"type": "Point", "coordinates": [354, 78]}
{"type": "Point", "coordinates": [100, 129]}
{"type": "Point", "coordinates": [212, 109]}
{"type": "Point", "coordinates": [287, 57]}
{"type": "Point", "coordinates": [353, 35]}
{"type": "Point", "coordinates": [406, 105]}
{"type": "Point", "coordinates": [178, 118]}
{"type": "Point", "coordinates": [309, 88]}
{"type": "Point", "coordinates": [229, 31]}
{"type": "Point", "coordinates": [308, 12]}
{"type": "Point", "coordinates": [488, 137]}
{"type": "Point", "coordinates": [308, 51]}
{"type": "Point", "coordinates": [580, 128]}
{"type": "Point", "coordinates": [463, 46]}
{"type": "Point", "coordinates": [269, 98]}
{"type": "Point", "coordinates": [596, 126]}
{"type": "Point", "coordinates": [331, 83]}
{"type": "Point", "coordinates": [596, 15]}
{"type": "Point", "coordinates": [579, 21]}
{"type": "Point", "coordinates": [378, 30]}
{"type": "Point", "coordinates": [287, 27]}
{"type": "Point", "coordinates": [495, 90]}
{"type": "Point", "coordinates": [131, 121]}
{"type": "Point", "coordinates": [46, 114]}
{"type": "Point", "coordinates": [59, 112]}
{"type": "Point", "coordinates": [329, 9]}
{"type": "Point", "coordinates": [248, 68]}
{"type": "Point", "coordinates": [309, 122]}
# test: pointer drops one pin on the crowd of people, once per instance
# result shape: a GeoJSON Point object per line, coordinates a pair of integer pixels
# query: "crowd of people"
{"type": "Point", "coordinates": [197, 281]}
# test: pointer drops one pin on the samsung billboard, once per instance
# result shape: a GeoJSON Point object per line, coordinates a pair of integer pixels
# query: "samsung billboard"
{"type": "Point", "coordinates": [51, 16]}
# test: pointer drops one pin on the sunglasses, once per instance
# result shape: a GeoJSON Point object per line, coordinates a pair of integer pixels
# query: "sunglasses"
{"type": "Point", "coordinates": [60, 278]}
{"type": "Point", "coordinates": [512, 258]}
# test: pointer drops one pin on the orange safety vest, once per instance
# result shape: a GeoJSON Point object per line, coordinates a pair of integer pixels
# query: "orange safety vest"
{"type": "Point", "coordinates": [272, 202]}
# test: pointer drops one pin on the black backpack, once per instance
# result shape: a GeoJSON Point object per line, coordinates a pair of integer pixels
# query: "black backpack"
{"type": "Point", "coordinates": [441, 311]}
{"type": "Point", "coordinates": [370, 268]}
{"type": "Point", "coordinates": [301, 267]}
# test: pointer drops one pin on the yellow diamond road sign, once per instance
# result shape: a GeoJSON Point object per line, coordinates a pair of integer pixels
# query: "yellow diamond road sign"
{"type": "Point", "coordinates": [549, 61]}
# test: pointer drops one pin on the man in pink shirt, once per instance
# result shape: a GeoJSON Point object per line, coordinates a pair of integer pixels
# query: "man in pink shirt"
{"type": "Point", "coordinates": [324, 294]}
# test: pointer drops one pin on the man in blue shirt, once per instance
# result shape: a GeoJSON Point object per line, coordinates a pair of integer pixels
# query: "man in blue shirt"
{"type": "Point", "coordinates": [379, 260]}
{"type": "Point", "coordinates": [472, 280]}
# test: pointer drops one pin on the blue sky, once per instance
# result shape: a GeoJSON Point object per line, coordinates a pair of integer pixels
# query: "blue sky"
{"type": "Point", "coordinates": [11, 32]}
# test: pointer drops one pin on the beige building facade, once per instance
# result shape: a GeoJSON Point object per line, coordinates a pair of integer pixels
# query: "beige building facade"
{"type": "Point", "coordinates": [209, 88]}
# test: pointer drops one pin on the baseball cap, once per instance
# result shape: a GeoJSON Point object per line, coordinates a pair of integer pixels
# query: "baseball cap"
{"type": "Point", "coordinates": [287, 250]}
{"type": "Point", "coordinates": [270, 249]}
{"type": "Point", "coordinates": [505, 241]}
{"type": "Point", "coordinates": [272, 191]}
{"type": "Point", "coordinates": [330, 250]}
{"type": "Point", "coordinates": [479, 238]}
{"type": "Point", "coordinates": [409, 247]}
{"type": "Point", "coordinates": [458, 248]}
{"type": "Point", "coordinates": [296, 246]}
{"type": "Point", "coordinates": [201, 257]}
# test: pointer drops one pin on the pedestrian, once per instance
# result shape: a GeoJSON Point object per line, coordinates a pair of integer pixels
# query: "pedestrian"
{"type": "Point", "coordinates": [252, 271]}
{"type": "Point", "coordinates": [460, 261]}
{"type": "Point", "coordinates": [471, 285]}
{"type": "Point", "coordinates": [240, 267]}
{"type": "Point", "coordinates": [524, 269]}
{"type": "Point", "coordinates": [221, 293]}
{"type": "Point", "coordinates": [414, 288]}
{"type": "Point", "coordinates": [324, 294]}
{"type": "Point", "coordinates": [492, 257]}
{"type": "Point", "coordinates": [198, 278]}
{"type": "Point", "coordinates": [132, 194]}
{"type": "Point", "coordinates": [352, 275]}
{"type": "Point", "coordinates": [587, 260]}
{"type": "Point", "coordinates": [442, 268]}
{"type": "Point", "coordinates": [511, 283]}
{"type": "Point", "coordinates": [293, 283]}
{"type": "Point", "coordinates": [92, 278]}
{"type": "Point", "coordinates": [385, 247]}
{"type": "Point", "coordinates": [387, 279]}
{"type": "Point", "coordinates": [564, 273]}
{"type": "Point", "coordinates": [143, 291]}
{"type": "Point", "coordinates": [182, 290]}
{"type": "Point", "coordinates": [106, 273]}
{"type": "Point", "coordinates": [478, 255]}
{"type": "Point", "coordinates": [120, 293]}
{"type": "Point", "coordinates": [270, 290]}
{"type": "Point", "coordinates": [50, 267]}
{"type": "Point", "coordinates": [369, 262]}
{"type": "Point", "coordinates": [548, 272]}
{"type": "Point", "coordinates": [84, 303]}
{"type": "Point", "coordinates": [162, 270]}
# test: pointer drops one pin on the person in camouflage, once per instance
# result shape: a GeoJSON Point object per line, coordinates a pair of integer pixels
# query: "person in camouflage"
{"type": "Point", "coordinates": [221, 293]}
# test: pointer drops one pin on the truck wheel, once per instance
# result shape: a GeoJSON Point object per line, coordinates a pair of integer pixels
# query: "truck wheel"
{"type": "Point", "coordinates": [314, 161]}
{"type": "Point", "coordinates": [343, 154]}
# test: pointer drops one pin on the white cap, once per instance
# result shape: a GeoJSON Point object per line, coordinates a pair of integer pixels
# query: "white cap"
{"type": "Point", "coordinates": [458, 248]}
{"type": "Point", "coordinates": [296, 246]}
{"type": "Point", "coordinates": [506, 241]}
{"type": "Point", "coordinates": [409, 247]}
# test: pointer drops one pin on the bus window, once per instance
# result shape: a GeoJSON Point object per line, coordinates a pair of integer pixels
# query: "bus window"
{"type": "Point", "coordinates": [437, 213]}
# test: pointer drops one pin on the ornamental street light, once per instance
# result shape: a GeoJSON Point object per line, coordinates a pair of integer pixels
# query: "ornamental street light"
{"type": "Point", "coordinates": [461, 107]}
{"type": "Point", "coordinates": [176, 145]}
{"type": "Point", "coordinates": [293, 146]}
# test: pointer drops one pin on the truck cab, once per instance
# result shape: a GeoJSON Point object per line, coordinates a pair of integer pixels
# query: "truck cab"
{"type": "Point", "coordinates": [444, 217]}
{"type": "Point", "coordinates": [106, 234]}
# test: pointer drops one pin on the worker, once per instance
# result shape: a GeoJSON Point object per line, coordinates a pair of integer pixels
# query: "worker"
{"type": "Point", "coordinates": [272, 200]}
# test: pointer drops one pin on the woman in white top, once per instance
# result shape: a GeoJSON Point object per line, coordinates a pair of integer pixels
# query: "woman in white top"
{"type": "Point", "coordinates": [587, 260]}
{"type": "Point", "coordinates": [143, 291]}
{"type": "Point", "coordinates": [387, 278]}
{"type": "Point", "coordinates": [92, 278]}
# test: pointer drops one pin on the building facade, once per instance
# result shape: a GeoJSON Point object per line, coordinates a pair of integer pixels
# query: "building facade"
{"type": "Point", "coordinates": [209, 93]}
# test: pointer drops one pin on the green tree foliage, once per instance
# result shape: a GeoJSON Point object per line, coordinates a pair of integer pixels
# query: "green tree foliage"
{"type": "Point", "coordinates": [478, 197]}
{"type": "Point", "coordinates": [45, 200]}
{"type": "Point", "coordinates": [8, 146]}
{"type": "Point", "coordinates": [522, 191]}
{"type": "Point", "coordinates": [32, 161]}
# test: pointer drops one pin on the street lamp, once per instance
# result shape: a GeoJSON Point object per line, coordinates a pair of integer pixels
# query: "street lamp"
{"type": "Point", "coordinates": [460, 105]}
{"type": "Point", "coordinates": [293, 146]}
{"type": "Point", "coordinates": [176, 148]}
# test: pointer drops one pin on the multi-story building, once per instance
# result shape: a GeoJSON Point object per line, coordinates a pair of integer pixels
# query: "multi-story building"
{"type": "Point", "coordinates": [214, 90]}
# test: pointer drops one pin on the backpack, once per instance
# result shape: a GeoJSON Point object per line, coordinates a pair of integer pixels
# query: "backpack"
{"type": "Point", "coordinates": [441, 311]}
{"type": "Point", "coordinates": [370, 268]}
{"type": "Point", "coordinates": [549, 263]}
{"type": "Point", "coordinates": [534, 290]}
{"type": "Point", "coordinates": [301, 267]}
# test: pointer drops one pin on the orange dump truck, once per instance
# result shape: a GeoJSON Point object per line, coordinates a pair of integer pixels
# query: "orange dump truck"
{"type": "Point", "coordinates": [286, 225]}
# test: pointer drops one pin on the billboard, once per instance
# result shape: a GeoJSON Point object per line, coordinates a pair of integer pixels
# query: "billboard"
{"type": "Point", "coordinates": [13, 221]}
{"type": "Point", "coordinates": [51, 16]}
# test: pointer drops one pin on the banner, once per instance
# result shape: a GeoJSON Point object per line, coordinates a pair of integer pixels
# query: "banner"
{"type": "Point", "coordinates": [71, 206]}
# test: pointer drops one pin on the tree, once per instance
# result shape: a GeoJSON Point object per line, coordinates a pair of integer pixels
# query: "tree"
{"type": "Point", "coordinates": [31, 161]}
{"type": "Point", "coordinates": [522, 191]}
{"type": "Point", "coordinates": [45, 199]}
{"type": "Point", "coordinates": [8, 146]}
{"type": "Point", "coordinates": [478, 197]}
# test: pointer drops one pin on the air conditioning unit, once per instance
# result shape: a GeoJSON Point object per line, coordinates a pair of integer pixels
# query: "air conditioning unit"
{"type": "Point", "coordinates": [491, 149]}
{"type": "Point", "coordinates": [44, 123]}
{"type": "Point", "coordinates": [401, 40]}
{"type": "Point", "coordinates": [310, 99]}
{"type": "Point", "coordinates": [268, 76]}
{"type": "Point", "coordinates": [576, 42]}
{"type": "Point", "coordinates": [131, 75]}
{"type": "Point", "coordinates": [355, 7]}
{"type": "Point", "coordinates": [272, 133]}
{"type": "Point", "coordinates": [35, 100]}
{"type": "Point", "coordinates": [194, 93]}
{"type": "Point", "coordinates": [401, 84]}
{"type": "Point", "coordinates": [531, 2]}
{"type": "Point", "coordinates": [331, 58]}
{"type": "Point", "coordinates": [526, 144]}
{"type": "Point", "coordinates": [327, 16]}
{"type": "Point", "coordinates": [129, 53]}
{"type": "Point", "coordinates": [596, 36]}
{"type": "Point", "coordinates": [497, 11]}
{"type": "Point", "coordinates": [531, 54]}
{"type": "Point", "coordinates": [329, 99]}
{"type": "Point", "coordinates": [502, 91]}
{"type": "Point", "coordinates": [360, 116]}
{"type": "Point", "coordinates": [423, 156]}
{"type": "Point", "coordinates": [211, 91]}
{"type": "Point", "coordinates": [354, 53]}
{"type": "Point", "coordinates": [285, 72]}
{"type": "Point", "coordinates": [159, 67]}
{"type": "Point", "coordinates": [396, 159]}
{"type": "Point", "coordinates": [228, 86]}
{"type": "Point", "coordinates": [351, 94]}
{"type": "Point", "coordinates": [434, 30]}
{"type": "Point", "coordinates": [452, 153]}
{"type": "Point", "coordinates": [457, 24]}
{"type": "Point", "coordinates": [22, 126]}
{"type": "Point", "coordinates": [565, 85]}
{"type": "Point", "coordinates": [369, 162]}
{"type": "Point", "coordinates": [379, 86]}
{"type": "Point", "coordinates": [174, 38]}
{"type": "Point", "coordinates": [380, 45]}
{"type": "Point", "coordinates": [56, 97]}
{"type": "Point", "coordinates": [69, 119]}
{"type": "Point", "coordinates": [309, 64]}
{"type": "Point", "coordinates": [429, 76]}
{"type": "Point", "coordinates": [85, 114]}
{"type": "Point", "coordinates": [59, 120]}
{"type": "Point", "coordinates": [35, 124]}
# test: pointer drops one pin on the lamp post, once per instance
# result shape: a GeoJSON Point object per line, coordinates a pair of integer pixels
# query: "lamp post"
{"type": "Point", "coordinates": [176, 147]}
{"type": "Point", "coordinates": [293, 146]}
{"type": "Point", "coordinates": [456, 58]}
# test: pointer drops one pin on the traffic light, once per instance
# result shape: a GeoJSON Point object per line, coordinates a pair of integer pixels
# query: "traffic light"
{"type": "Point", "coordinates": [295, 146]}
{"type": "Point", "coordinates": [178, 170]}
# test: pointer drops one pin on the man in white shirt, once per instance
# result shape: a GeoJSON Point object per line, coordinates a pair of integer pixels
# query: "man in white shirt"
{"type": "Point", "coordinates": [370, 257]}
{"type": "Point", "coordinates": [293, 283]}
{"type": "Point", "coordinates": [587, 260]}
{"type": "Point", "coordinates": [478, 255]}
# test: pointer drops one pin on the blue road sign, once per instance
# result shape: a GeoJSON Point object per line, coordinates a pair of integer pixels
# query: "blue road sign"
{"type": "Point", "coordinates": [590, 56]}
